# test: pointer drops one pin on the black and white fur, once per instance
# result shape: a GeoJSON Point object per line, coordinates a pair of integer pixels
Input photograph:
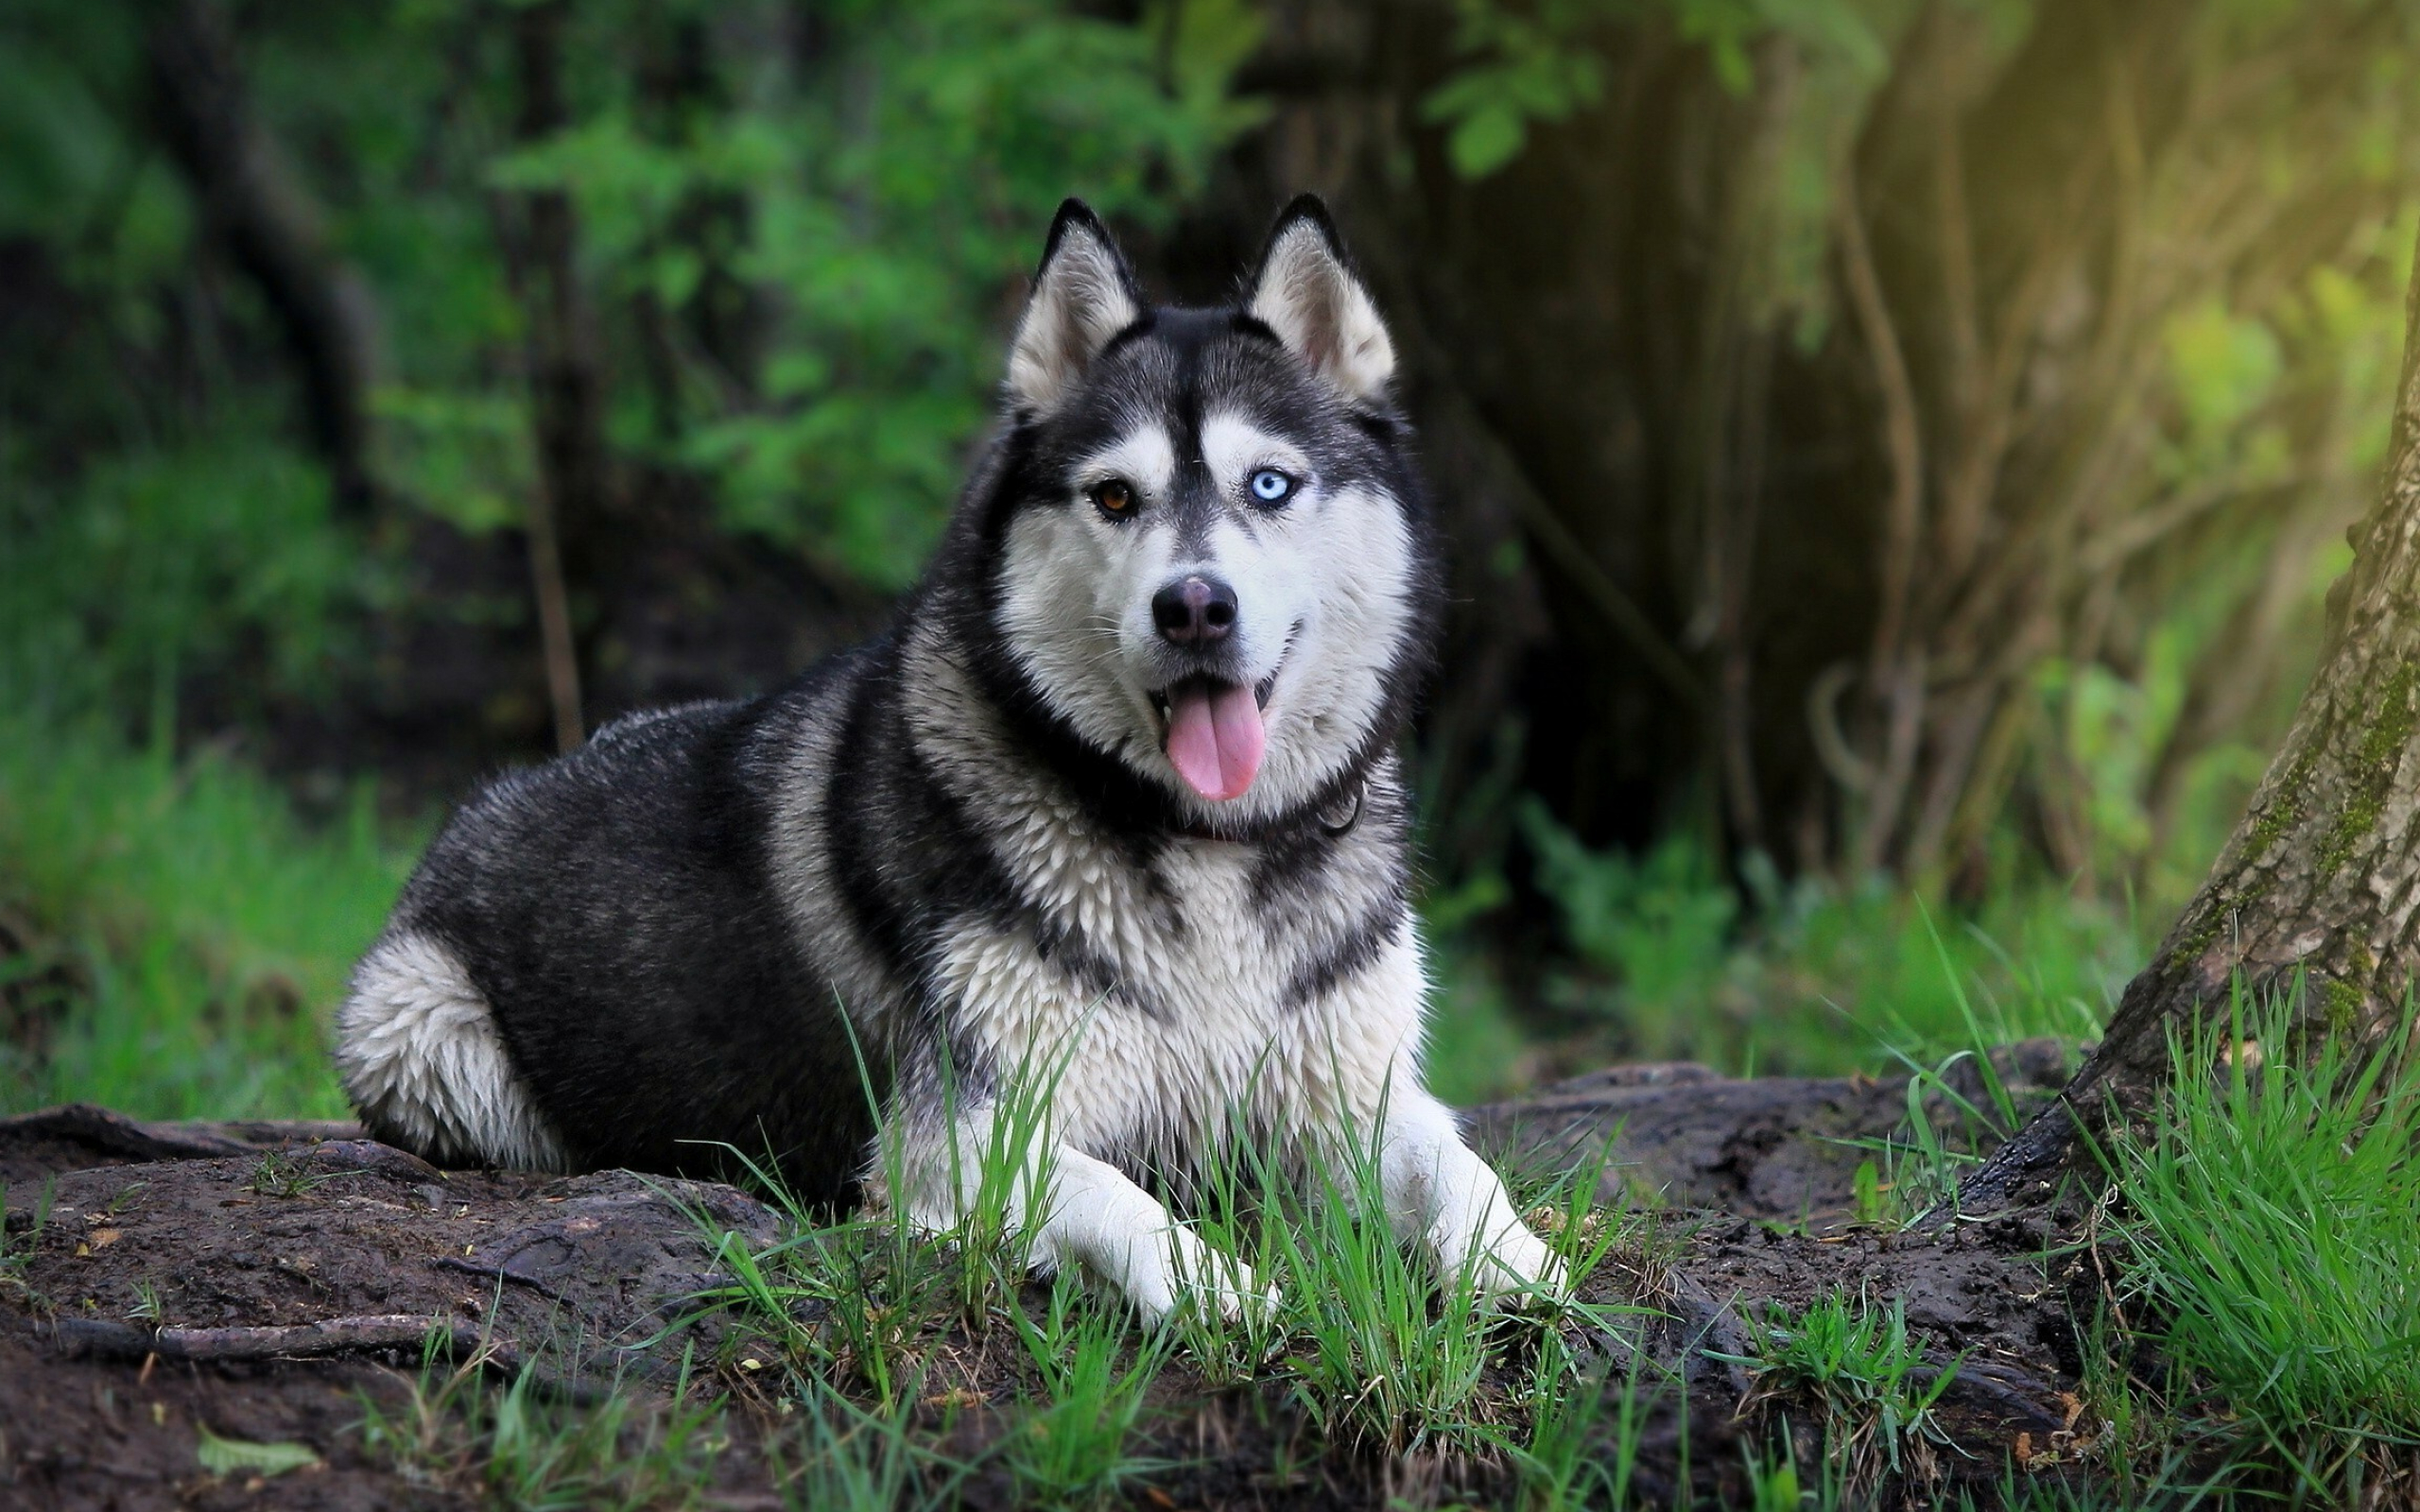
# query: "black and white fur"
{"type": "Point", "coordinates": [968, 838]}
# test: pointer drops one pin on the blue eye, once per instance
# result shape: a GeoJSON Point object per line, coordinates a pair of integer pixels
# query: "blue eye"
{"type": "Point", "coordinates": [1268, 486]}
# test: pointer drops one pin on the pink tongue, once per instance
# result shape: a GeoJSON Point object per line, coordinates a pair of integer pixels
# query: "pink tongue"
{"type": "Point", "coordinates": [1215, 737]}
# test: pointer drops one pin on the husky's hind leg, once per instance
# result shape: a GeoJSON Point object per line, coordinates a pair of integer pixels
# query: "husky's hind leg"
{"type": "Point", "coordinates": [419, 1054]}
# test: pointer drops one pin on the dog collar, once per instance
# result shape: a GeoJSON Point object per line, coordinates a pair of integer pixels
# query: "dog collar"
{"type": "Point", "coordinates": [1336, 820]}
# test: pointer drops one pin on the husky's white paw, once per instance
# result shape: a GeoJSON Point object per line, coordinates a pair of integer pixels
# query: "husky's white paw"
{"type": "Point", "coordinates": [1512, 1268]}
{"type": "Point", "coordinates": [1188, 1271]}
{"type": "Point", "coordinates": [1213, 1278]}
{"type": "Point", "coordinates": [1241, 1300]}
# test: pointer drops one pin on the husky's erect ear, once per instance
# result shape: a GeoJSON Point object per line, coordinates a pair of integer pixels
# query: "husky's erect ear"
{"type": "Point", "coordinates": [1084, 294]}
{"type": "Point", "coordinates": [1306, 291]}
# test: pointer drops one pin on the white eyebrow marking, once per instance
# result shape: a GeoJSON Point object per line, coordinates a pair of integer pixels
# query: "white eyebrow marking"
{"type": "Point", "coordinates": [1233, 446]}
{"type": "Point", "coordinates": [1144, 456]}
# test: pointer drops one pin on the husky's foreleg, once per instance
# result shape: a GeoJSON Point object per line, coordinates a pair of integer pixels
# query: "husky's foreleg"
{"type": "Point", "coordinates": [1065, 1208]}
{"type": "Point", "coordinates": [1437, 1191]}
{"type": "Point", "coordinates": [1440, 1195]}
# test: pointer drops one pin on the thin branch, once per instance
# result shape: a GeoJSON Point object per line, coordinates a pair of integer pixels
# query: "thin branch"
{"type": "Point", "coordinates": [1902, 440]}
{"type": "Point", "coordinates": [553, 620]}
{"type": "Point", "coordinates": [1832, 748]}
{"type": "Point", "coordinates": [1620, 610]}
{"type": "Point", "coordinates": [566, 388]}
{"type": "Point", "coordinates": [335, 1335]}
{"type": "Point", "coordinates": [2112, 546]}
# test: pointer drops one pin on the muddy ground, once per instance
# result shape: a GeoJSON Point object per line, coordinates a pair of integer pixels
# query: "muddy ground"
{"type": "Point", "coordinates": [277, 1282]}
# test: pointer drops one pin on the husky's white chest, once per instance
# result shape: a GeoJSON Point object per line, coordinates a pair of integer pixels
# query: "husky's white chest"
{"type": "Point", "coordinates": [1156, 1003]}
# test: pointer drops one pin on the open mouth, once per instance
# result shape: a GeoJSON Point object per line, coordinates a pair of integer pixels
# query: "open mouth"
{"type": "Point", "coordinates": [1211, 733]}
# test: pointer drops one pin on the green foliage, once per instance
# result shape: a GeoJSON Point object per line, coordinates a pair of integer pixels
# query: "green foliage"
{"type": "Point", "coordinates": [1541, 61]}
{"type": "Point", "coordinates": [75, 173]}
{"type": "Point", "coordinates": [2274, 1205]}
{"type": "Point", "coordinates": [464, 453]}
{"type": "Point", "coordinates": [1525, 67]}
{"type": "Point", "coordinates": [1659, 922]}
{"type": "Point", "coordinates": [1821, 978]}
{"type": "Point", "coordinates": [869, 217]}
{"type": "Point", "coordinates": [2221, 368]}
{"type": "Point", "coordinates": [216, 555]}
{"type": "Point", "coordinates": [193, 932]}
{"type": "Point", "coordinates": [800, 239]}
{"type": "Point", "coordinates": [1476, 1042]}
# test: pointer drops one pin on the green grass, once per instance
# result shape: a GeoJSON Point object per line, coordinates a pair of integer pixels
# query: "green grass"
{"type": "Point", "coordinates": [847, 1459]}
{"type": "Point", "coordinates": [184, 936]}
{"type": "Point", "coordinates": [1853, 1366]}
{"type": "Point", "coordinates": [1071, 1446]}
{"type": "Point", "coordinates": [1582, 1447]}
{"type": "Point", "coordinates": [2269, 1228]}
{"type": "Point", "coordinates": [460, 1433]}
{"type": "Point", "coordinates": [516, 1446]}
{"type": "Point", "coordinates": [1377, 1353]}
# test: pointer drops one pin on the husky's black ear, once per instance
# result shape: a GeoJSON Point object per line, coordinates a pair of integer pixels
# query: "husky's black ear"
{"type": "Point", "coordinates": [1305, 290]}
{"type": "Point", "coordinates": [1084, 294]}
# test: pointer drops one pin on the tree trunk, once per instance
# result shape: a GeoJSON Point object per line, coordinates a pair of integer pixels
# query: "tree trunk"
{"type": "Point", "coordinates": [567, 385]}
{"type": "Point", "coordinates": [2321, 878]}
{"type": "Point", "coordinates": [253, 205]}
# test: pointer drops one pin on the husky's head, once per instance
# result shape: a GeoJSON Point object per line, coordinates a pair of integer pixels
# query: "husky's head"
{"type": "Point", "coordinates": [1206, 555]}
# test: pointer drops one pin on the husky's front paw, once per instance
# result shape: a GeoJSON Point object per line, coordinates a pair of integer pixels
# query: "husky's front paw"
{"type": "Point", "coordinates": [1511, 1267]}
{"type": "Point", "coordinates": [1186, 1271]}
{"type": "Point", "coordinates": [1212, 1277]}
{"type": "Point", "coordinates": [1519, 1267]}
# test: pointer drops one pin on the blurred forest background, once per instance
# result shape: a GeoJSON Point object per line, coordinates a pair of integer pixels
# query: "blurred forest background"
{"type": "Point", "coordinates": [1895, 454]}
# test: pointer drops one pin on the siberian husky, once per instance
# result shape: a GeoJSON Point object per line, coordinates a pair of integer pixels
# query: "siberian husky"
{"type": "Point", "coordinates": [1117, 796]}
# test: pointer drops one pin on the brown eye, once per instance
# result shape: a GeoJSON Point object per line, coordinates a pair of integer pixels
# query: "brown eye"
{"type": "Point", "coordinates": [1115, 499]}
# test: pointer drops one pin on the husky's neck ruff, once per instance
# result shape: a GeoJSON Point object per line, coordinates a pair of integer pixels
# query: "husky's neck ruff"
{"type": "Point", "coordinates": [1195, 576]}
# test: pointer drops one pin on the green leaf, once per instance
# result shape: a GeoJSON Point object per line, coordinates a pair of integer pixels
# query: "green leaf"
{"type": "Point", "coordinates": [1486, 140]}
{"type": "Point", "coordinates": [225, 1456]}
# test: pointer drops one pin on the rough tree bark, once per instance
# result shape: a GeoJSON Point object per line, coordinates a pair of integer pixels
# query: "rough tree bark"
{"type": "Point", "coordinates": [2321, 878]}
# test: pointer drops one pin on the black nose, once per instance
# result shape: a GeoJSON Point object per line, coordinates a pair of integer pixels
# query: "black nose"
{"type": "Point", "coordinates": [1194, 611]}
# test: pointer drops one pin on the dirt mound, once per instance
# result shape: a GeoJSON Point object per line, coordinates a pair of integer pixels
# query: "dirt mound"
{"type": "Point", "coordinates": [256, 1281]}
{"type": "Point", "coordinates": [243, 1280]}
{"type": "Point", "coordinates": [1684, 1136]}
